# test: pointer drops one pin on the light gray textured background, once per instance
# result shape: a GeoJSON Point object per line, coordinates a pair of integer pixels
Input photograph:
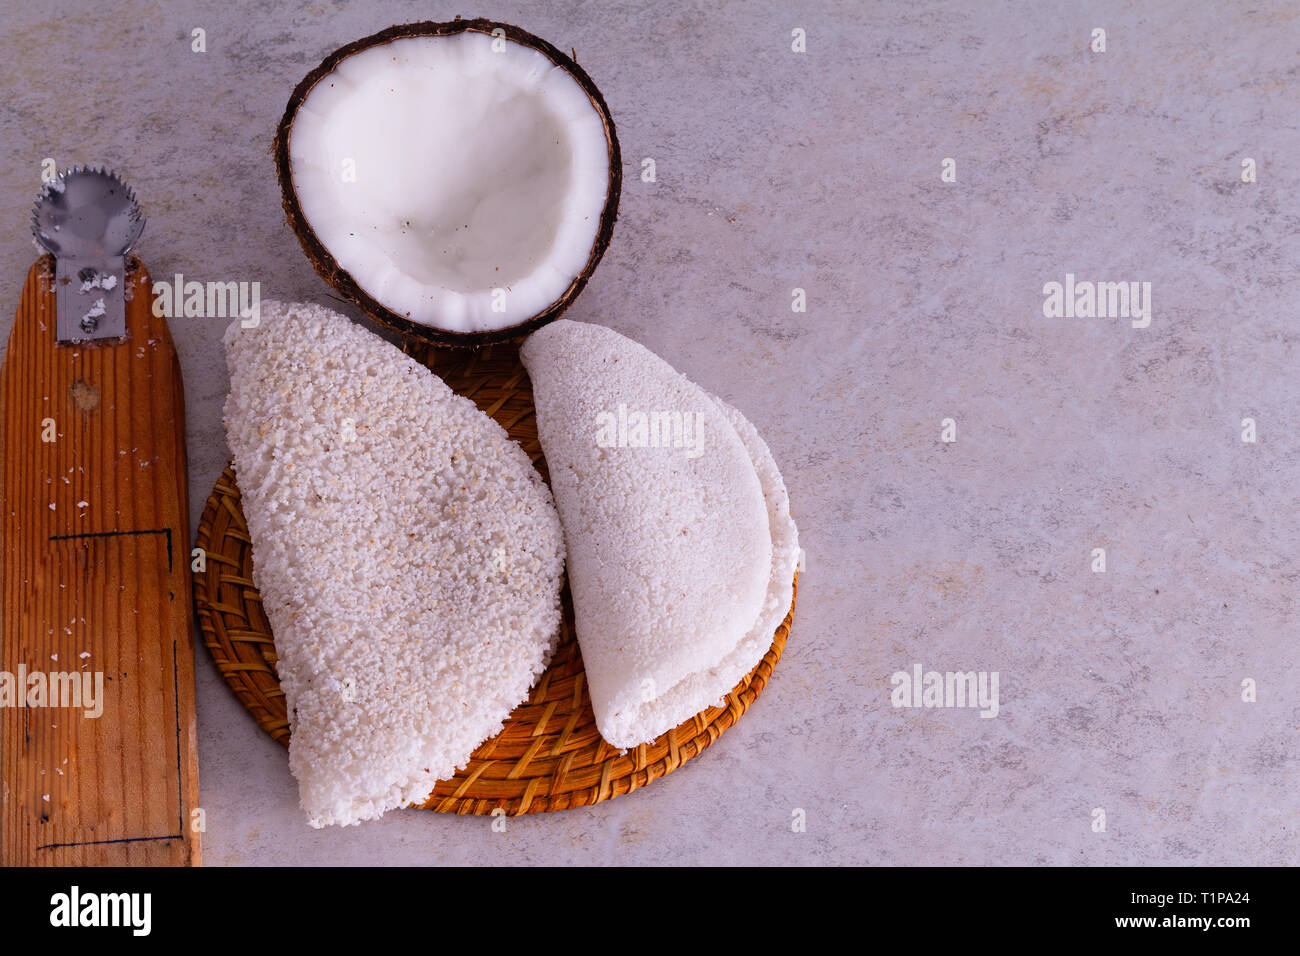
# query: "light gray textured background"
{"type": "Point", "coordinates": [821, 171]}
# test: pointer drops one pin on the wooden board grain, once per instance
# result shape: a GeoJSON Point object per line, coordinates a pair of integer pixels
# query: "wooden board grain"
{"type": "Point", "coordinates": [95, 577]}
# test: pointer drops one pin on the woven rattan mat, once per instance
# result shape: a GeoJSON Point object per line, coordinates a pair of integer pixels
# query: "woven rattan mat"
{"type": "Point", "coordinates": [549, 755]}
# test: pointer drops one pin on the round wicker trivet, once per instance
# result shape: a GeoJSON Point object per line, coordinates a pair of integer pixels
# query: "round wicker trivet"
{"type": "Point", "coordinates": [549, 755]}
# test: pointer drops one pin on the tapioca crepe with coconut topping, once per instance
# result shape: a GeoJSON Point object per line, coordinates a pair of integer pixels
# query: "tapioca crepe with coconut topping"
{"type": "Point", "coordinates": [408, 556]}
{"type": "Point", "coordinates": [681, 548]}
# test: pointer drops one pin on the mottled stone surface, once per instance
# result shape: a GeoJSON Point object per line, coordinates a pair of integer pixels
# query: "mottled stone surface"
{"type": "Point", "coordinates": [821, 171]}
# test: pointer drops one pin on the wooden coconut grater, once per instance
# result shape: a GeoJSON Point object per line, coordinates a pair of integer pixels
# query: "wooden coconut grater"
{"type": "Point", "coordinates": [98, 762]}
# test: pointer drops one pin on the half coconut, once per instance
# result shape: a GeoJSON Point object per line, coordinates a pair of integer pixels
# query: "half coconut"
{"type": "Point", "coordinates": [458, 181]}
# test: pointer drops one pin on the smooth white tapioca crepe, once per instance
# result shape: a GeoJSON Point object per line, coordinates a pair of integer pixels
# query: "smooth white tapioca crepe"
{"type": "Point", "coordinates": [681, 547]}
{"type": "Point", "coordinates": [408, 556]}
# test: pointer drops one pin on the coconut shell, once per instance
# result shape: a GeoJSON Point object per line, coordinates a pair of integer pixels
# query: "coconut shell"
{"type": "Point", "coordinates": [338, 277]}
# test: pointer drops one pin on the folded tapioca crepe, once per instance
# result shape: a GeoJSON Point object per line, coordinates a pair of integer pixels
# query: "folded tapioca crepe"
{"type": "Point", "coordinates": [681, 548]}
{"type": "Point", "coordinates": [408, 556]}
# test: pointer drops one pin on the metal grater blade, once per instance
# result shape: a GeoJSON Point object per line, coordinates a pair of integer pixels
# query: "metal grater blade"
{"type": "Point", "coordinates": [88, 219]}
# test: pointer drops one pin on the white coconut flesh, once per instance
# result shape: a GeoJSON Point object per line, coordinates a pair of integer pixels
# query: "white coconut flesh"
{"type": "Point", "coordinates": [462, 188]}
